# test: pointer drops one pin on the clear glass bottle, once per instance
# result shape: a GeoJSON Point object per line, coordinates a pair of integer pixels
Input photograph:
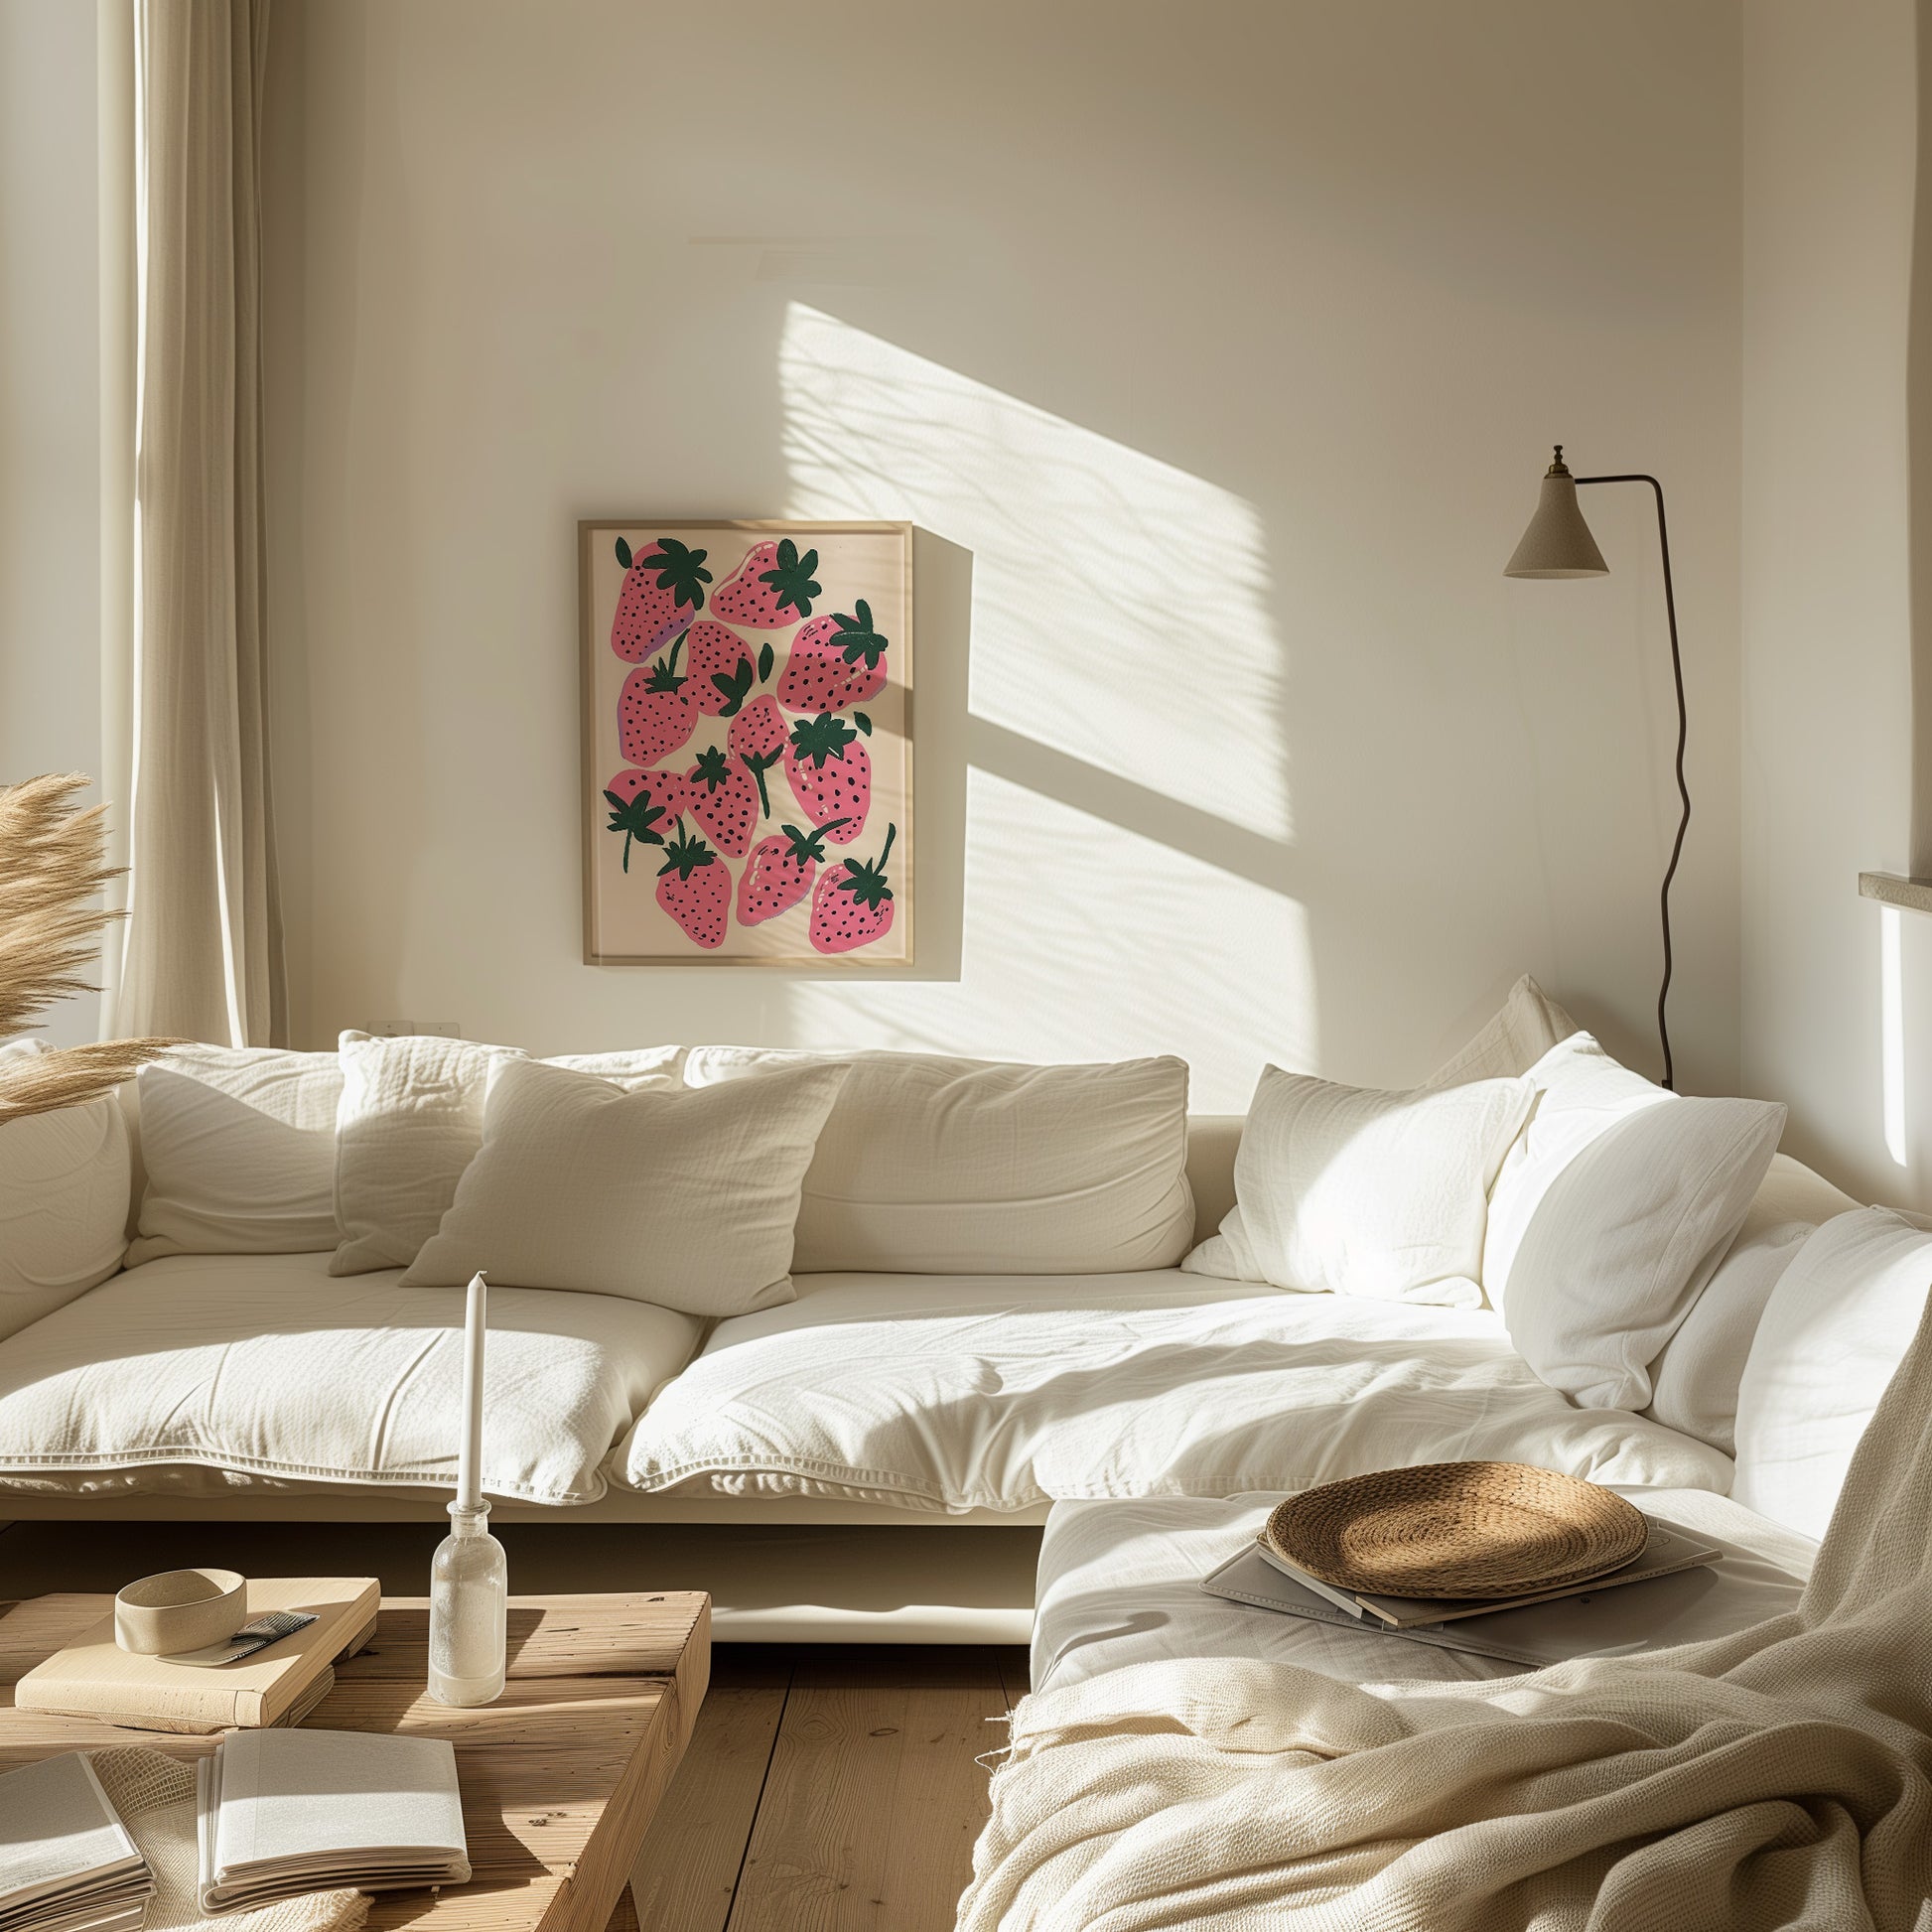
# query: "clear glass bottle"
{"type": "Point", "coordinates": [469, 1601]}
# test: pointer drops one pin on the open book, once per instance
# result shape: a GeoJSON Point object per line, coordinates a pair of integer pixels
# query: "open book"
{"type": "Point", "coordinates": [281, 1812]}
{"type": "Point", "coordinates": [66, 1862]}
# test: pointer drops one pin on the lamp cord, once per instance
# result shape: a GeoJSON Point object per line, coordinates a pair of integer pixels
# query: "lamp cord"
{"type": "Point", "coordinates": [1683, 790]}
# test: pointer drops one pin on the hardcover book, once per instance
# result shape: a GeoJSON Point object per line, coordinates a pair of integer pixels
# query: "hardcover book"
{"type": "Point", "coordinates": [93, 1677]}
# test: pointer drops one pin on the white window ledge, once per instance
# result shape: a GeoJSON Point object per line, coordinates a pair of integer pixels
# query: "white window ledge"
{"type": "Point", "coordinates": [1915, 895]}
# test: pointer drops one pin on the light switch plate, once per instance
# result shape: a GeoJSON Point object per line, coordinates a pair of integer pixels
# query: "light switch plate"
{"type": "Point", "coordinates": [403, 1028]}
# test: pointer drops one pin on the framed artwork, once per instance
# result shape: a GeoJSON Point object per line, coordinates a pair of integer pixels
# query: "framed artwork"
{"type": "Point", "coordinates": [747, 742]}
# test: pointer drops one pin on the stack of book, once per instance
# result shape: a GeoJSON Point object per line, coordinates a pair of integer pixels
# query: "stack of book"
{"type": "Point", "coordinates": [281, 1811]}
{"type": "Point", "coordinates": [212, 1689]}
{"type": "Point", "coordinates": [66, 1862]}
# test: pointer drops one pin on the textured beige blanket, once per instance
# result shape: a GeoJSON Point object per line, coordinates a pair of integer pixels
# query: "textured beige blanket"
{"type": "Point", "coordinates": [1778, 1778]}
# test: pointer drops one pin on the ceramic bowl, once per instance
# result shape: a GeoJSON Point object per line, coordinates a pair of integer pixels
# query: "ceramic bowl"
{"type": "Point", "coordinates": [180, 1610]}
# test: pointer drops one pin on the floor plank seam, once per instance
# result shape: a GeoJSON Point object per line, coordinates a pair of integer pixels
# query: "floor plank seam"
{"type": "Point", "coordinates": [765, 1779]}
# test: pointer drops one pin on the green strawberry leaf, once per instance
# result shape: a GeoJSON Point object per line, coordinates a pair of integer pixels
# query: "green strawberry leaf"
{"type": "Point", "coordinates": [623, 553]}
{"type": "Point", "coordinates": [821, 738]}
{"type": "Point", "coordinates": [681, 571]}
{"type": "Point", "coordinates": [791, 577]}
{"type": "Point", "coordinates": [864, 723]}
{"type": "Point", "coordinates": [765, 662]}
{"type": "Point", "coordinates": [736, 685]}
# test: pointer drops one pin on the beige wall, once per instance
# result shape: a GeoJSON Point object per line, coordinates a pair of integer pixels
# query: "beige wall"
{"type": "Point", "coordinates": [1830, 134]}
{"type": "Point", "coordinates": [50, 559]}
{"type": "Point", "coordinates": [1228, 341]}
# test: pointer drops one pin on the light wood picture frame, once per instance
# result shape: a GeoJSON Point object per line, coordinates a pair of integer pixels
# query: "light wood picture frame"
{"type": "Point", "coordinates": [747, 742]}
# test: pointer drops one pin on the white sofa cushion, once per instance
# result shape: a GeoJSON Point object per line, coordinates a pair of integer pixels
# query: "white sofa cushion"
{"type": "Point", "coordinates": [411, 1121]}
{"type": "Point", "coordinates": [265, 1363]}
{"type": "Point", "coordinates": [1610, 1214]}
{"type": "Point", "coordinates": [1833, 1333]}
{"type": "Point", "coordinates": [1000, 1392]}
{"type": "Point", "coordinates": [680, 1195]}
{"type": "Point", "coordinates": [1120, 1584]}
{"type": "Point", "coordinates": [1529, 1024]}
{"type": "Point", "coordinates": [929, 1164]}
{"type": "Point", "coordinates": [1694, 1382]}
{"type": "Point", "coordinates": [1526, 1027]}
{"type": "Point", "coordinates": [64, 1188]}
{"type": "Point", "coordinates": [239, 1149]}
{"type": "Point", "coordinates": [1378, 1194]}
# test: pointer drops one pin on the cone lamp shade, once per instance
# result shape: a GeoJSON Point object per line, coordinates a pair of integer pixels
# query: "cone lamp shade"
{"type": "Point", "coordinates": [1558, 542]}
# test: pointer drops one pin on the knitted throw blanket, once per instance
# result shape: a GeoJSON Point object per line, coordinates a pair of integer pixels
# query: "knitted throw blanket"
{"type": "Point", "coordinates": [1781, 1777]}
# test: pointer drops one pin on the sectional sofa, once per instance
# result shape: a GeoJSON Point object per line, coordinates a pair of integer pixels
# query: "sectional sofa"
{"type": "Point", "coordinates": [987, 1323]}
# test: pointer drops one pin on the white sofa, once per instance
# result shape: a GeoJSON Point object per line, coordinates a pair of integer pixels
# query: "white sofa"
{"type": "Point", "coordinates": [259, 1385]}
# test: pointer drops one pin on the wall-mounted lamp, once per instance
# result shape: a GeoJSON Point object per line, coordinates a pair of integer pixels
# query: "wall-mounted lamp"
{"type": "Point", "coordinates": [1557, 545]}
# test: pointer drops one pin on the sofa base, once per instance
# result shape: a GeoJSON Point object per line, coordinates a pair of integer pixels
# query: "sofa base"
{"type": "Point", "coordinates": [879, 1577]}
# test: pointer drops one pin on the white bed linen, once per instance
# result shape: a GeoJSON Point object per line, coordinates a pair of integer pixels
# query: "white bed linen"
{"type": "Point", "coordinates": [1120, 1584]}
{"type": "Point", "coordinates": [269, 1364]}
{"type": "Point", "coordinates": [998, 1392]}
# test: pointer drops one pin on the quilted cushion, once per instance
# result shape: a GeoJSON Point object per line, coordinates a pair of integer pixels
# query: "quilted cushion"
{"type": "Point", "coordinates": [272, 1365]}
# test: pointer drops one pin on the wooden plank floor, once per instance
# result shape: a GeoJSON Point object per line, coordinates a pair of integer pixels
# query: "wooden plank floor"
{"type": "Point", "coordinates": [829, 1789]}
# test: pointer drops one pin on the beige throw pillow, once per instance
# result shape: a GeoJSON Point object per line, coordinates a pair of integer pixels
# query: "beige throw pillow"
{"type": "Point", "coordinates": [1377, 1194]}
{"type": "Point", "coordinates": [935, 1166]}
{"type": "Point", "coordinates": [411, 1121]}
{"type": "Point", "coordinates": [686, 1197]}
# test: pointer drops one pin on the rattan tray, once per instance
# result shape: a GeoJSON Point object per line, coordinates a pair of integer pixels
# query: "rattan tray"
{"type": "Point", "coordinates": [1458, 1529]}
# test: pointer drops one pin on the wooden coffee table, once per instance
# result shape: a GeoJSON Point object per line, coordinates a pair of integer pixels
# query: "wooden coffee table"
{"type": "Point", "coordinates": [560, 1775]}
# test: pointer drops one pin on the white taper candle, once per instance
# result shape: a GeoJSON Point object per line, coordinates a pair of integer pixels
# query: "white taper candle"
{"type": "Point", "coordinates": [469, 1469]}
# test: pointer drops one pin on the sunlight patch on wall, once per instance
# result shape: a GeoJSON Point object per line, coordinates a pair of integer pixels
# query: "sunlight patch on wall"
{"type": "Point", "coordinates": [1891, 1027]}
{"type": "Point", "coordinates": [1122, 612]}
{"type": "Point", "coordinates": [1059, 966]}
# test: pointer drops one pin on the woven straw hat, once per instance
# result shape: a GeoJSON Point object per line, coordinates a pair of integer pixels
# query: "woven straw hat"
{"type": "Point", "coordinates": [1458, 1529]}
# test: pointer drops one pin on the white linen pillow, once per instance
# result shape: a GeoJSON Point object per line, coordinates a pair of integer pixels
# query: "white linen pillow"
{"type": "Point", "coordinates": [411, 1120]}
{"type": "Point", "coordinates": [1358, 1191]}
{"type": "Point", "coordinates": [1694, 1382]}
{"type": "Point", "coordinates": [935, 1166]}
{"type": "Point", "coordinates": [1526, 1027]}
{"type": "Point", "coordinates": [239, 1148]}
{"type": "Point", "coordinates": [682, 1196]}
{"type": "Point", "coordinates": [63, 1187]}
{"type": "Point", "coordinates": [1609, 1215]}
{"type": "Point", "coordinates": [1834, 1332]}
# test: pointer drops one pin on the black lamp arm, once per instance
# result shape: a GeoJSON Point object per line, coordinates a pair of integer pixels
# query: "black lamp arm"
{"type": "Point", "coordinates": [1683, 790]}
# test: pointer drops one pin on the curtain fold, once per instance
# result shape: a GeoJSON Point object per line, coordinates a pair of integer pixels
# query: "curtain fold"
{"type": "Point", "coordinates": [201, 949]}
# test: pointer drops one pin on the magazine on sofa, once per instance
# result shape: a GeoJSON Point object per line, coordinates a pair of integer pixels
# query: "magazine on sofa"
{"type": "Point", "coordinates": [1592, 1623]}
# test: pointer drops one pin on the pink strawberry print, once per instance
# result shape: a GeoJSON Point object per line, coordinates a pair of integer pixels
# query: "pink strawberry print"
{"type": "Point", "coordinates": [852, 905]}
{"type": "Point", "coordinates": [773, 586]}
{"type": "Point", "coordinates": [695, 888]}
{"type": "Point", "coordinates": [664, 589]}
{"type": "Point", "coordinates": [780, 874]}
{"type": "Point", "coordinates": [723, 799]}
{"type": "Point", "coordinates": [723, 668]}
{"type": "Point", "coordinates": [830, 773]}
{"type": "Point", "coordinates": [643, 806]}
{"type": "Point", "coordinates": [655, 714]}
{"type": "Point", "coordinates": [757, 739]}
{"type": "Point", "coordinates": [834, 663]}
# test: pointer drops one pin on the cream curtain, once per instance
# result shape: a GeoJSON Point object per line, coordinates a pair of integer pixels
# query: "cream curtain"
{"type": "Point", "coordinates": [201, 949]}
